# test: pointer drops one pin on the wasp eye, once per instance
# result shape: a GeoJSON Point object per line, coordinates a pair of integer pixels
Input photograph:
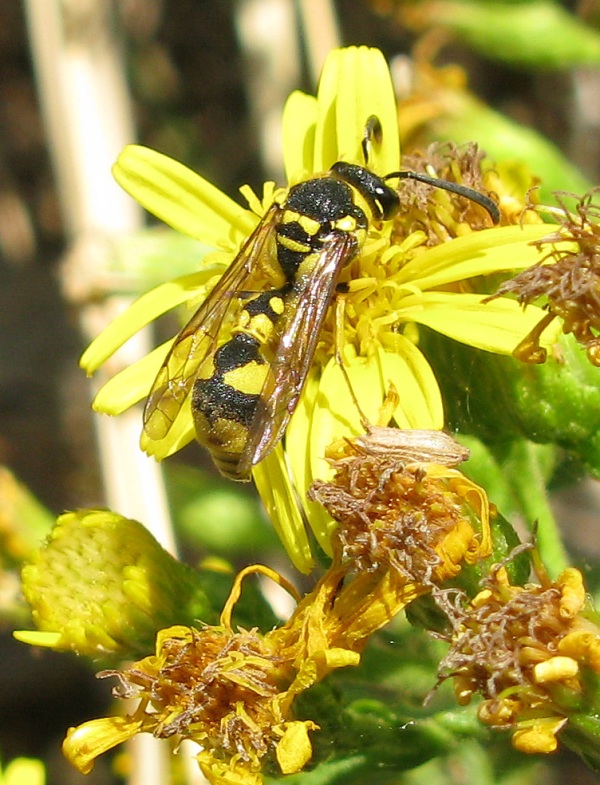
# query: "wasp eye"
{"type": "Point", "coordinates": [383, 200]}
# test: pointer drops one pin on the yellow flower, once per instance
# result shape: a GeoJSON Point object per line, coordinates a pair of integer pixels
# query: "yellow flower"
{"type": "Point", "coordinates": [391, 288]}
{"type": "Point", "coordinates": [234, 692]}
{"type": "Point", "coordinates": [231, 692]}
{"type": "Point", "coordinates": [532, 652]}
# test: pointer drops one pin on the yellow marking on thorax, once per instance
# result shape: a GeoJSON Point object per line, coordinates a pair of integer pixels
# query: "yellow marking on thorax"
{"type": "Point", "coordinates": [277, 305]}
{"type": "Point", "coordinates": [310, 225]}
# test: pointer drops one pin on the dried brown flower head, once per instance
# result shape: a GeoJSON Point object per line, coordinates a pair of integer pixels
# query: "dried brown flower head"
{"type": "Point", "coordinates": [524, 649]}
{"type": "Point", "coordinates": [568, 276]}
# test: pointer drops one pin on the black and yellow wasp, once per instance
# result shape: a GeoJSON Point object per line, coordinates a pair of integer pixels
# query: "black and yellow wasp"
{"type": "Point", "coordinates": [245, 354]}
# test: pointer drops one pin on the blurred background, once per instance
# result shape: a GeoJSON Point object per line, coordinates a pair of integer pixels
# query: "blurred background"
{"type": "Point", "coordinates": [203, 81]}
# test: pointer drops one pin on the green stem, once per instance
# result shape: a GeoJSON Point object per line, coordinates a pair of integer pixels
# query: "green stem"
{"type": "Point", "coordinates": [527, 463]}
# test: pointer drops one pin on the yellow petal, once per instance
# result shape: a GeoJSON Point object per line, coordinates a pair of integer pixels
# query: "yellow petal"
{"type": "Point", "coordinates": [295, 750]}
{"type": "Point", "coordinates": [299, 120]}
{"type": "Point", "coordinates": [272, 479]}
{"type": "Point", "coordinates": [365, 90]}
{"type": "Point", "coordinates": [179, 196]}
{"type": "Point", "coordinates": [478, 253]}
{"type": "Point", "coordinates": [407, 369]}
{"type": "Point", "coordinates": [143, 311]}
{"type": "Point", "coordinates": [297, 448]}
{"type": "Point", "coordinates": [496, 326]}
{"type": "Point", "coordinates": [132, 384]}
{"type": "Point", "coordinates": [540, 737]}
{"type": "Point", "coordinates": [355, 84]}
{"type": "Point", "coordinates": [335, 414]}
{"type": "Point", "coordinates": [319, 665]}
{"type": "Point", "coordinates": [83, 744]}
{"type": "Point", "coordinates": [182, 432]}
{"type": "Point", "coordinates": [366, 605]}
{"type": "Point", "coordinates": [49, 640]}
{"type": "Point", "coordinates": [219, 772]}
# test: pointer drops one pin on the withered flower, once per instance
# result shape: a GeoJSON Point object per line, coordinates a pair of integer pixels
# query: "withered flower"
{"type": "Point", "coordinates": [567, 276]}
{"type": "Point", "coordinates": [231, 692]}
{"type": "Point", "coordinates": [407, 521]}
{"type": "Point", "coordinates": [400, 506]}
{"type": "Point", "coordinates": [528, 650]}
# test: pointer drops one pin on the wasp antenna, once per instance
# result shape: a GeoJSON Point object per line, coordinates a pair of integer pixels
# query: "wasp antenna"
{"type": "Point", "coordinates": [462, 190]}
{"type": "Point", "coordinates": [373, 133]}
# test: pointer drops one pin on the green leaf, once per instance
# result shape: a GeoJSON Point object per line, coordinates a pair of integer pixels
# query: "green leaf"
{"type": "Point", "coordinates": [529, 34]}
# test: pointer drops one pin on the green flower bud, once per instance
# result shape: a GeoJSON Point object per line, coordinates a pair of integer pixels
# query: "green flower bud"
{"type": "Point", "coordinates": [102, 585]}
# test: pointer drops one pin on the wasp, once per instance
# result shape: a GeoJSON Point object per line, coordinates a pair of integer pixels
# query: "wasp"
{"type": "Point", "coordinates": [244, 356]}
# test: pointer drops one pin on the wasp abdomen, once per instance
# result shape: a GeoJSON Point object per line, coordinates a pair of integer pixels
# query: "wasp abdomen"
{"type": "Point", "coordinates": [227, 389]}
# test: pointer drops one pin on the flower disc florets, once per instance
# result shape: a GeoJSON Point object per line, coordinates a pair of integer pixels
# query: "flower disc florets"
{"type": "Point", "coordinates": [230, 692]}
{"type": "Point", "coordinates": [411, 516]}
{"type": "Point", "coordinates": [525, 650]}
{"type": "Point", "coordinates": [441, 216]}
{"type": "Point", "coordinates": [211, 685]}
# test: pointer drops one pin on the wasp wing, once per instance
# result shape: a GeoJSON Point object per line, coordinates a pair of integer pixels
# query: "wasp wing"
{"type": "Point", "coordinates": [198, 339]}
{"type": "Point", "coordinates": [295, 350]}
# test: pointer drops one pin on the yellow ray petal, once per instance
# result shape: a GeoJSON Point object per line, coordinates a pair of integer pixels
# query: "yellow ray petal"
{"type": "Point", "coordinates": [85, 743]}
{"type": "Point", "coordinates": [179, 196]}
{"type": "Point", "coordinates": [479, 253]}
{"type": "Point", "coordinates": [273, 482]}
{"type": "Point", "coordinates": [364, 90]}
{"type": "Point", "coordinates": [140, 313]}
{"type": "Point", "coordinates": [497, 326]}
{"type": "Point", "coordinates": [355, 84]}
{"type": "Point", "coordinates": [297, 447]}
{"type": "Point", "coordinates": [335, 414]}
{"type": "Point", "coordinates": [181, 433]}
{"type": "Point", "coordinates": [132, 384]}
{"type": "Point", "coordinates": [299, 120]}
{"type": "Point", "coordinates": [420, 398]}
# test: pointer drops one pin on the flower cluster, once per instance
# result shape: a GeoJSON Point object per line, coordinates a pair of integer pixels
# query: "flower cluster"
{"type": "Point", "coordinates": [386, 503]}
{"type": "Point", "coordinates": [233, 692]}
{"type": "Point", "coordinates": [532, 652]}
